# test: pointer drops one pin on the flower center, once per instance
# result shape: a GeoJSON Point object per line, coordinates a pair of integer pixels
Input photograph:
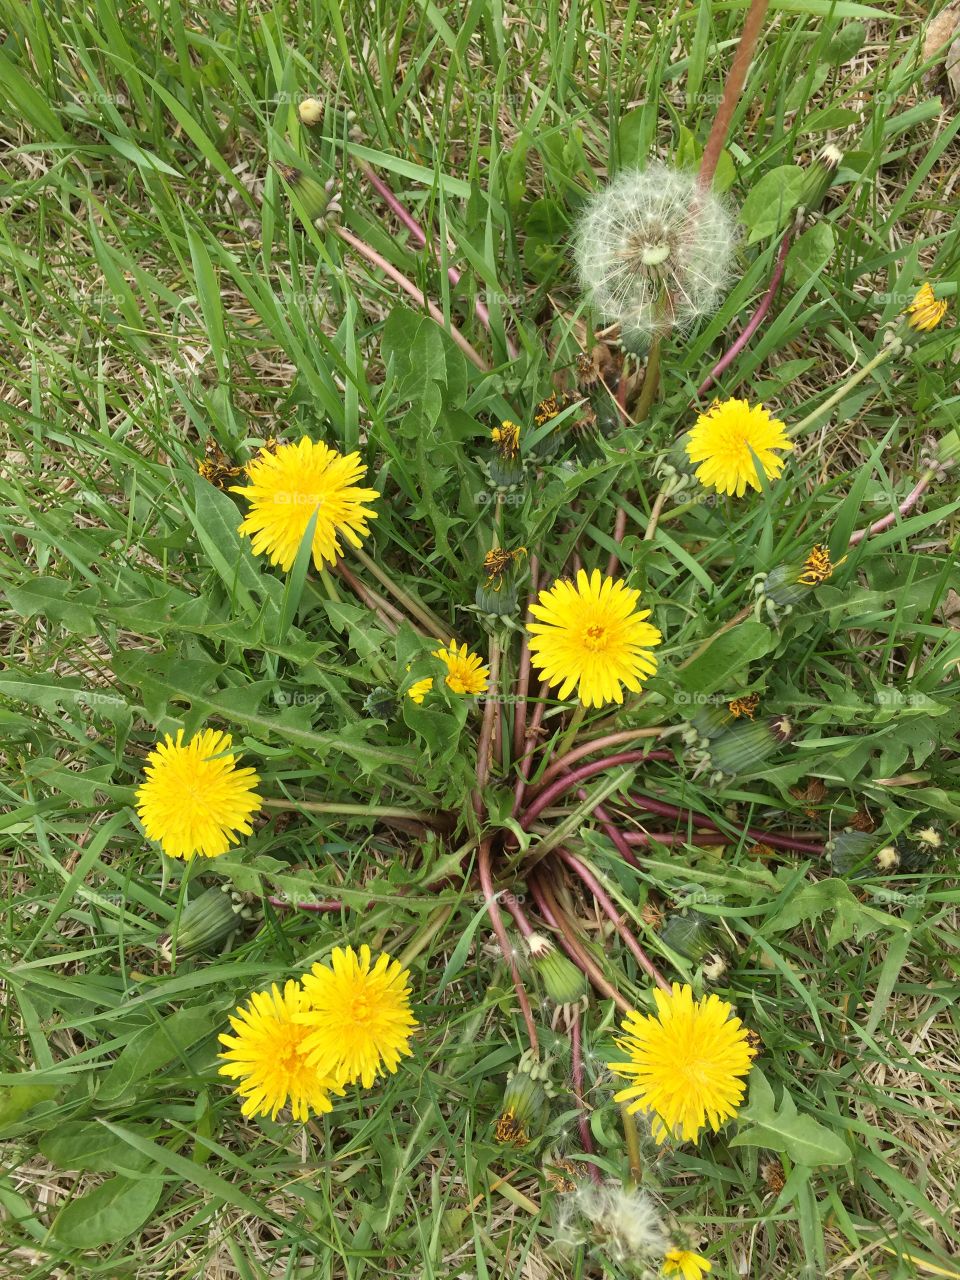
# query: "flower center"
{"type": "Point", "coordinates": [595, 638]}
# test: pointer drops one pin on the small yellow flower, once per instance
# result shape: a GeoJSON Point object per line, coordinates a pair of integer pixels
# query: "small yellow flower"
{"type": "Point", "coordinates": [507, 437]}
{"type": "Point", "coordinates": [725, 439]}
{"type": "Point", "coordinates": [286, 489]}
{"type": "Point", "coordinates": [268, 1059]}
{"type": "Point", "coordinates": [194, 799]}
{"type": "Point", "coordinates": [357, 1019]}
{"type": "Point", "coordinates": [591, 637]}
{"type": "Point", "coordinates": [683, 1264]}
{"type": "Point", "coordinates": [419, 690]}
{"type": "Point", "coordinates": [465, 671]}
{"type": "Point", "coordinates": [925, 312]}
{"type": "Point", "coordinates": [687, 1064]}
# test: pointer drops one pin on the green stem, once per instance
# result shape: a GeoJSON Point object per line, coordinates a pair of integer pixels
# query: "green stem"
{"type": "Point", "coordinates": [575, 819]}
{"type": "Point", "coordinates": [651, 379]}
{"type": "Point", "coordinates": [576, 720]}
{"type": "Point", "coordinates": [422, 939]}
{"type": "Point", "coordinates": [892, 349]}
{"type": "Point", "coordinates": [632, 1141]}
{"type": "Point", "coordinates": [352, 810]}
{"type": "Point", "coordinates": [420, 611]}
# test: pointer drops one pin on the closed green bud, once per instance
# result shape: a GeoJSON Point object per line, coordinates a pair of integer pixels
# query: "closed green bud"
{"type": "Point", "coordinates": [689, 934]}
{"type": "Point", "coordinates": [789, 583]}
{"type": "Point", "coordinates": [748, 745]}
{"type": "Point", "coordinates": [380, 704]}
{"type": "Point", "coordinates": [565, 984]}
{"type": "Point", "coordinates": [205, 923]}
{"type": "Point", "coordinates": [526, 1102]}
{"type": "Point", "coordinates": [707, 722]}
{"type": "Point", "coordinates": [921, 847]}
{"type": "Point", "coordinates": [496, 603]}
{"type": "Point", "coordinates": [818, 179]}
{"type": "Point", "coordinates": [851, 853]}
{"type": "Point", "coordinates": [314, 200]}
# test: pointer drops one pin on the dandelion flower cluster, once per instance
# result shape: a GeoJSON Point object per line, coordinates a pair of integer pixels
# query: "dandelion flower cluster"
{"type": "Point", "coordinates": [342, 1023]}
{"type": "Point", "coordinates": [194, 799]}
{"type": "Point", "coordinates": [419, 689]}
{"type": "Point", "coordinates": [466, 674]}
{"type": "Point", "coordinates": [684, 1264]}
{"type": "Point", "coordinates": [590, 636]}
{"type": "Point", "coordinates": [730, 439]}
{"type": "Point", "coordinates": [654, 250]}
{"type": "Point", "coordinates": [288, 487]}
{"type": "Point", "coordinates": [686, 1065]}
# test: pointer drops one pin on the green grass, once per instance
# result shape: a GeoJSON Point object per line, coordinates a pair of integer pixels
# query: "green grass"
{"type": "Point", "coordinates": [157, 293]}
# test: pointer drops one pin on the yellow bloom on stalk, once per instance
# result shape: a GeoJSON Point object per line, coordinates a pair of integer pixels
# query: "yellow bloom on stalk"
{"type": "Point", "coordinates": [925, 312]}
{"type": "Point", "coordinates": [687, 1064]}
{"type": "Point", "coordinates": [194, 799]}
{"type": "Point", "coordinates": [465, 671]}
{"type": "Point", "coordinates": [267, 1057]}
{"type": "Point", "coordinates": [287, 487]}
{"type": "Point", "coordinates": [357, 1020]}
{"type": "Point", "coordinates": [590, 636]}
{"type": "Point", "coordinates": [684, 1264]}
{"type": "Point", "coordinates": [419, 690]}
{"type": "Point", "coordinates": [725, 439]}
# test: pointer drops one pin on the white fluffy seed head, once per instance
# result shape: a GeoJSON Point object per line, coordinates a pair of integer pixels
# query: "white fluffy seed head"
{"type": "Point", "coordinates": [623, 1224]}
{"type": "Point", "coordinates": [654, 250]}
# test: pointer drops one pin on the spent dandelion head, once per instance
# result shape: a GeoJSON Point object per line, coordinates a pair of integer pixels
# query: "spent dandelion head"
{"type": "Point", "coordinates": [507, 438]}
{"type": "Point", "coordinates": [686, 1065]}
{"type": "Point", "coordinates": [466, 673]}
{"type": "Point", "coordinates": [654, 250]}
{"type": "Point", "coordinates": [357, 1016]}
{"type": "Point", "coordinates": [590, 636]}
{"type": "Point", "coordinates": [194, 799]}
{"type": "Point", "coordinates": [288, 487]}
{"type": "Point", "coordinates": [730, 440]}
{"type": "Point", "coordinates": [267, 1060]}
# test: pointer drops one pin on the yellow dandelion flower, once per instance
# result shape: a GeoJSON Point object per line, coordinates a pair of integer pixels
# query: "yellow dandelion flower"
{"type": "Point", "coordinates": [287, 487]}
{"type": "Point", "coordinates": [725, 439]}
{"type": "Point", "coordinates": [267, 1057]}
{"type": "Point", "coordinates": [683, 1264]}
{"type": "Point", "coordinates": [357, 1018]}
{"type": "Point", "coordinates": [925, 312]}
{"type": "Point", "coordinates": [687, 1064]}
{"type": "Point", "coordinates": [465, 671]}
{"type": "Point", "coordinates": [419, 690]}
{"type": "Point", "coordinates": [818, 567]}
{"type": "Point", "coordinates": [591, 637]}
{"type": "Point", "coordinates": [507, 437]}
{"type": "Point", "coordinates": [194, 799]}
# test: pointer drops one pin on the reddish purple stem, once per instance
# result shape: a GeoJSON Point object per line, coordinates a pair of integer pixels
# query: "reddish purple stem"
{"type": "Point", "coordinates": [664, 810]}
{"type": "Point", "coordinates": [886, 522]}
{"type": "Point", "coordinates": [576, 1060]}
{"type": "Point", "coordinates": [573, 779]}
{"type": "Point", "coordinates": [756, 320]}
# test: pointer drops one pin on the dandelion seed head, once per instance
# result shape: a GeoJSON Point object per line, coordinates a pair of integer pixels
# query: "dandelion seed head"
{"type": "Point", "coordinates": [654, 250]}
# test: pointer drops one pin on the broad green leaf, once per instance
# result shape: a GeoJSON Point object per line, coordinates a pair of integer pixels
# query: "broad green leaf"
{"type": "Point", "coordinates": [784, 1130]}
{"type": "Point", "coordinates": [851, 917]}
{"type": "Point", "coordinates": [727, 655]}
{"type": "Point", "coordinates": [770, 203]}
{"type": "Point", "coordinates": [88, 1145]}
{"type": "Point", "coordinates": [108, 1213]}
{"type": "Point", "coordinates": [152, 1048]}
{"type": "Point", "coordinates": [17, 1099]}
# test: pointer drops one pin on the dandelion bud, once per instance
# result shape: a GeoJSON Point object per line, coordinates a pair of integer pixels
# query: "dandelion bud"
{"type": "Point", "coordinates": [310, 111]}
{"type": "Point", "coordinates": [313, 199]}
{"type": "Point", "coordinates": [525, 1102]}
{"type": "Point", "coordinates": [654, 250]}
{"type": "Point", "coordinates": [920, 848]}
{"type": "Point", "coordinates": [707, 722]}
{"type": "Point", "coordinates": [688, 933]}
{"type": "Point", "coordinates": [380, 704]}
{"type": "Point", "coordinates": [205, 923]}
{"type": "Point", "coordinates": [565, 984]}
{"type": "Point", "coordinates": [851, 853]}
{"type": "Point", "coordinates": [818, 179]}
{"type": "Point", "coordinates": [748, 745]}
{"type": "Point", "coordinates": [505, 468]}
{"type": "Point", "coordinates": [786, 585]}
{"type": "Point", "coordinates": [925, 311]}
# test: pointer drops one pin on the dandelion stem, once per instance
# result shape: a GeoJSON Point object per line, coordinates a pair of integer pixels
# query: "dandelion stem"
{"type": "Point", "coordinates": [563, 784]}
{"type": "Point", "coordinates": [576, 1069]}
{"type": "Point", "coordinates": [523, 676]}
{"type": "Point", "coordinates": [388, 269]}
{"type": "Point", "coordinates": [651, 380]}
{"type": "Point", "coordinates": [435, 627]}
{"type": "Point", "coordinates": [491, 712]}
{"type": "Point", "coordinates": [563, 763]}
{"type": "Point", "coordinates": [663, 810]}
{"type": "Point", "coordinates": [632, 1141]}
{"type": "Point", "coordinates": [353, 810]}
{"type": "Point", "coordinates": [606, 904]}
{"type": "Point", "coordinates": [576, 720]}
{"type": "Point", "coordinates": [496, 920]}
{"type": "Point", "coordinates": [575, 819]}
{"type": "Point", "coordinates": [421, 940]}
{"type": "Point", "coordinates": [389, 615]}
{"type": "Point", "coordinates": [655, 513]}
{"type": "Point", "coordinates": [732, 89]}
{"type": "Point", "coordinates": [884, 354]}
{"type": "Point", "coordinates": [525, 763]}
{"type": "Point", "coordinates": [886, 522]}
{"type": "Point", "coordinates": [756, 319]}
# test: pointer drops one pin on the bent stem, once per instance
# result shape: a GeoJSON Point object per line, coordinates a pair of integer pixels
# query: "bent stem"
{"type": "Point", "coordinates": [435, 628]}
{"type": "Point", "coordinates": [388, 269]}
{"type": "Point", "coordinates": [486, 884]}
{"type": "Point", "coordinates": [732, 89]}
{"type": "Point", "coordinates": [894, 347]}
